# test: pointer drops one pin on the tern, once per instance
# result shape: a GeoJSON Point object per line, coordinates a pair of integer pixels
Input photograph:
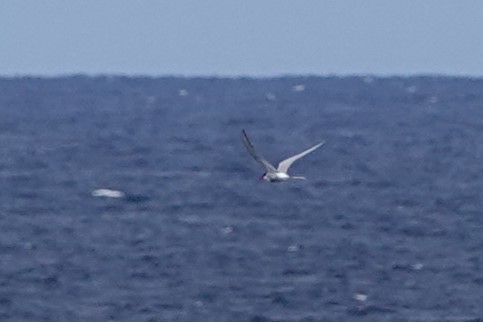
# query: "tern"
{"type": "Point", "coordinates": [278, 174]}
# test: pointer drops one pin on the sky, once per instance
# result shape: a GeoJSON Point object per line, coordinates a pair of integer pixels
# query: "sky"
{"type": "Point", "coordinates": [241, 38]}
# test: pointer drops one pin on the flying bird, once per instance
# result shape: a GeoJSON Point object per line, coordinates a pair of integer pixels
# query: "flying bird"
{"type": "Point", "coordinates": [280, 173]}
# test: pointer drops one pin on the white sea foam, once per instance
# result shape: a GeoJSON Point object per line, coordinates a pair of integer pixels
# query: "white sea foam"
{"type": "Point", "coordinates": [293, 248]}
{"type": "Point", "coordinates": [227, 230]}
{"type": "Point", "coordinates": [270, 97]}
{"type": "Point", "coordinates": [107, 193]}
{"type": "Point", "coordinates": [433, 99]}
{"type": "Point", "coordinates": [368, 80]}
{"type": "Point", "coordinates": [411, 89]}
{"type": "Point", "coordinates": [360, 297]}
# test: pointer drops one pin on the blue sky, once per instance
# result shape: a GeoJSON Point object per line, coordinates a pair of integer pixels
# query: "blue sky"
{"type": "Point", "coordinates": [235, 38]}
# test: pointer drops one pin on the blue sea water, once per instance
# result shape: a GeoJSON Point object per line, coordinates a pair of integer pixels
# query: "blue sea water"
{"type": "Point", "coordinates": [388, 226]}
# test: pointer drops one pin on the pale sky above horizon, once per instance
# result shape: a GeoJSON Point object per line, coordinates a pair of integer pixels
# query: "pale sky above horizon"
{"type": "Point", "coordinates": [241, 38]}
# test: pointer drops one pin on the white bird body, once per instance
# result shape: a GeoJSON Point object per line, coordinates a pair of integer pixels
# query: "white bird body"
{"type": "Point", "coordinates": [280, 173]}
{"type": "Point", "coordinates": [275, 176]}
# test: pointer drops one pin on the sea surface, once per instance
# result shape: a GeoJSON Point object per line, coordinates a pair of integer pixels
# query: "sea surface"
{"type": "Point", "coordinates": [388, 226]}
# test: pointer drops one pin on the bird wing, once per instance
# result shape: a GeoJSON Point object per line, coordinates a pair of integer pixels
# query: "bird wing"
{"type": "Point", "coordinates": [285, 164]}
{"type": "Point", "coordinates": [255, 155]}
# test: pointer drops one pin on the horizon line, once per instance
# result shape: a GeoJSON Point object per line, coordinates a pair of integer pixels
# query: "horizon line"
{"type": "Point", "coordinates": [240, 76]}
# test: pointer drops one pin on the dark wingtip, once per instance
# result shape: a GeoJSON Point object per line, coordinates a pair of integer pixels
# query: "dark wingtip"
{"type": "Point", "coordinates": [244, 134]}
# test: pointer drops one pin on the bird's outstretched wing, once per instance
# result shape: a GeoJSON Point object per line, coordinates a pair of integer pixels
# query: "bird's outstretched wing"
{"type": "Point", "coordinates": [255, 155]}
{"type": "Point", "coordinates": [285, 164]}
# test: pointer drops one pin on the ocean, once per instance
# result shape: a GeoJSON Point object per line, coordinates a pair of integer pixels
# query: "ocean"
{"type": "Point", "coordinates": [134, 199]}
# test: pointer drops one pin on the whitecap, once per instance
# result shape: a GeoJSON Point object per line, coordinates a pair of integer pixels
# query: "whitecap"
{"type": "Point", "coordinates": [360, 297]}
{"type": "Point", "coordinates": [107, 193]}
